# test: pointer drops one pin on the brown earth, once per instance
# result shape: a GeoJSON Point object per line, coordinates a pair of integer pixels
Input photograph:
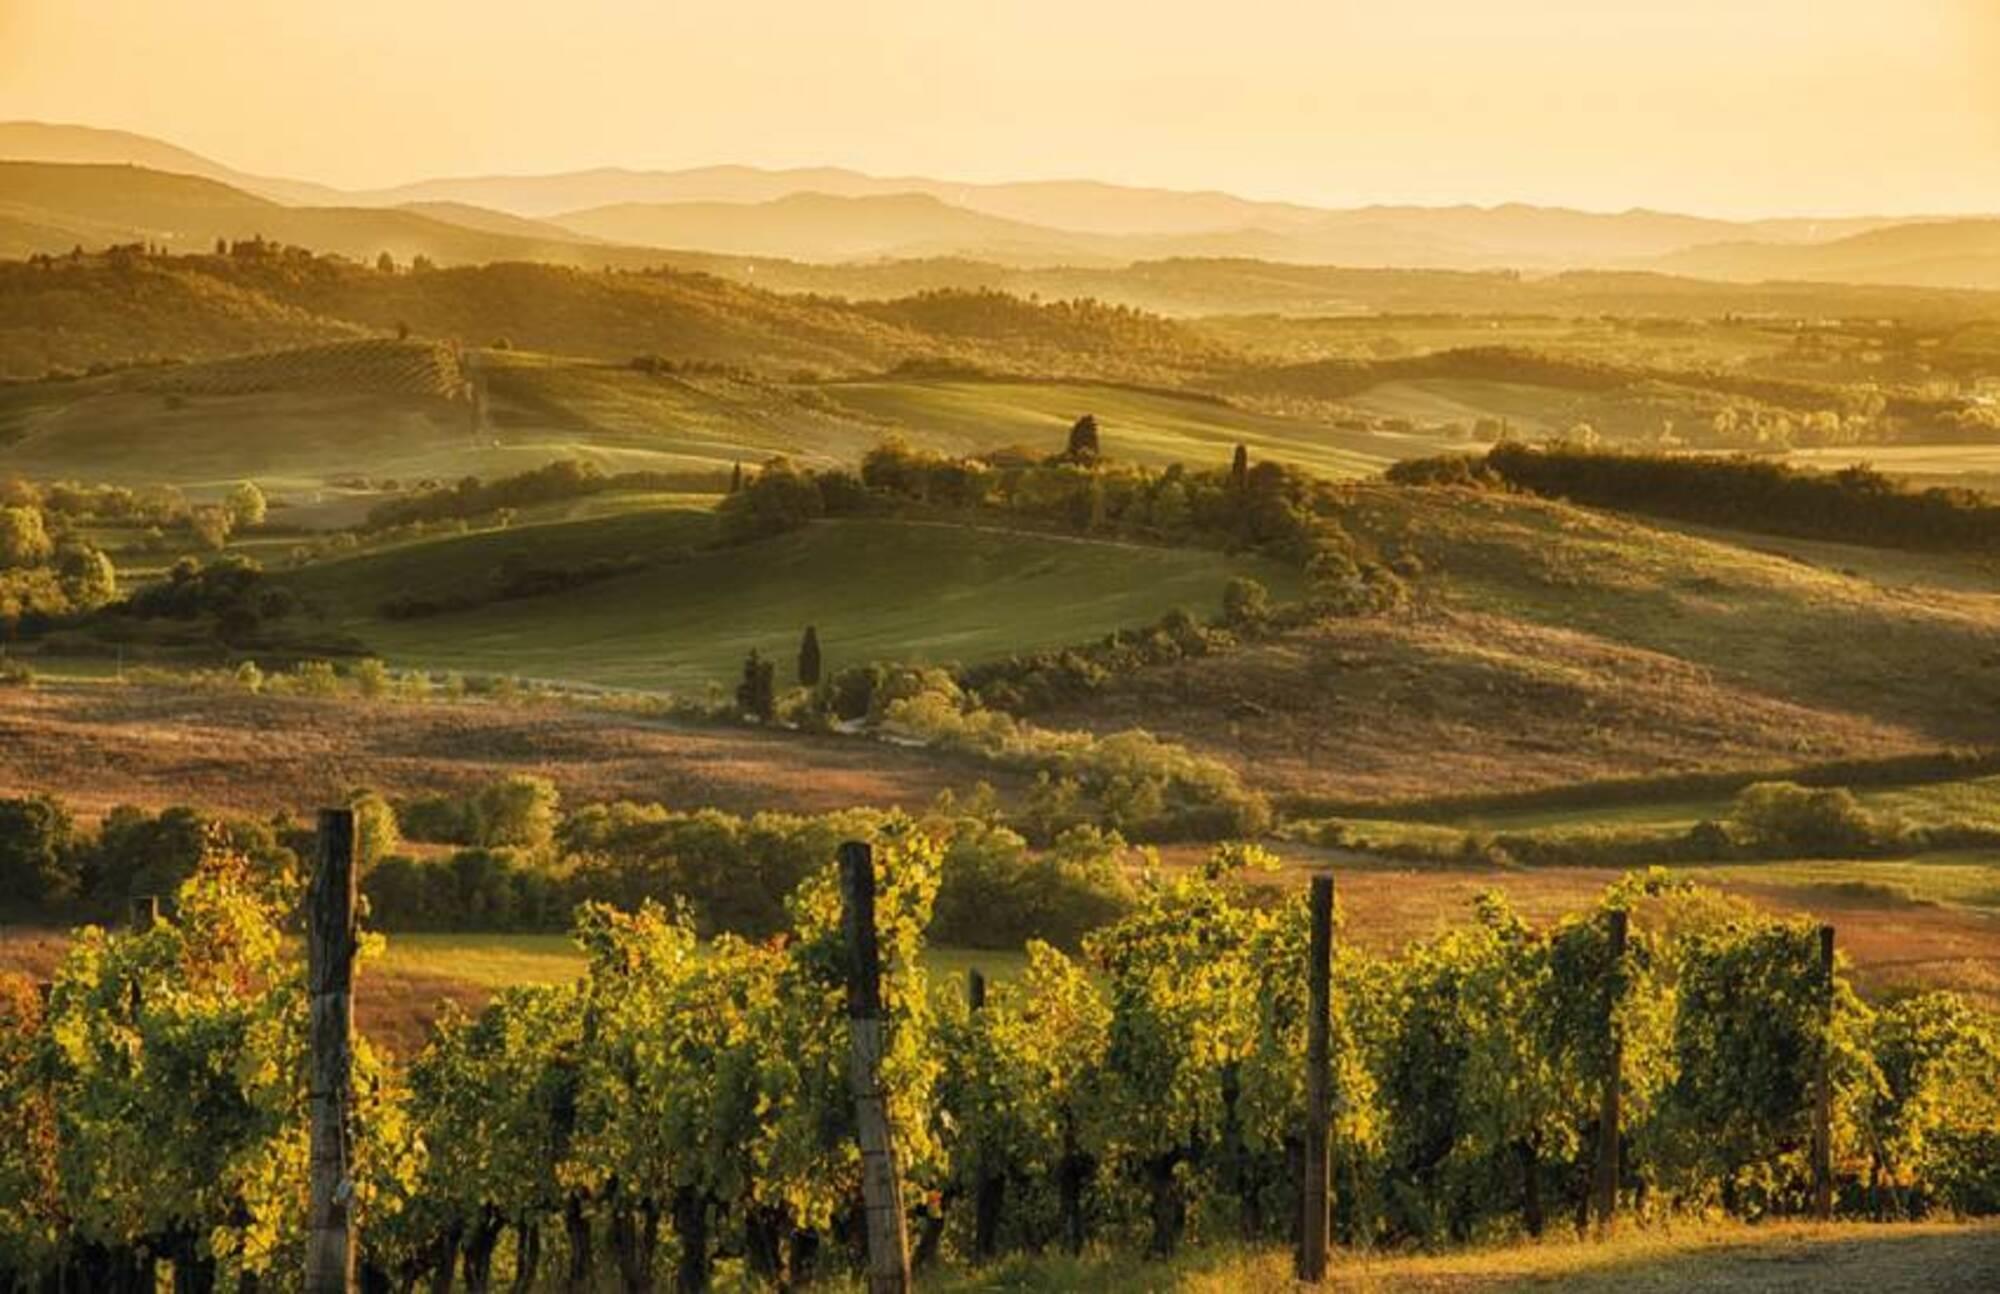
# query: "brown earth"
{"type": "Point", "coordinates": [100, 745]}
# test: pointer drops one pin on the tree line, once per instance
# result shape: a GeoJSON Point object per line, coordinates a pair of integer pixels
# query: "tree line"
{"type": "Point", "coordinates": [1856, 504]}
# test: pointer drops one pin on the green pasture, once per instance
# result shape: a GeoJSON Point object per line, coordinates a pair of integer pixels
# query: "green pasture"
{"type": "Point", "coordinates": [876, 589]}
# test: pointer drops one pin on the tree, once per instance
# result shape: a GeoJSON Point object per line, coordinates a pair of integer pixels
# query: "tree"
{"type": "Point", "coordinates": [780, 498]}
{"type": "Point", "coordinates": [88, 579]}
{"type": "Point", "coordinates": [37, 850]}
{"type": "Point", "coordinates": [222, 247]}
{"type": "Point", "coordinates": [211, 525]}
{"type": "Point", "coordinates": [519, 811]}
{"type": "Point", "coordinates": [246, 505]}
{"type": "Point", "coordinates": [376, 835]}
{"type": "Point", "coordinates": [736, 479]}
{"type": "Point", "coordinates": [809, 662]}
{"type": "Point", "coordinates": [24, 539]}
{"type": "Point", "coordinates": [385, 263]}
{"type": "Point", "coordinates": [1239, 468]}
{"type": "Point", "coordinates": [757, 693]}
{"type": "Point", "coordinates": [1084, 448]}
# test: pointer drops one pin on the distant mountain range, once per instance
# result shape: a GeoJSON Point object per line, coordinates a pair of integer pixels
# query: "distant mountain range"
{"type": "Point", "coordinates": [66, 185]}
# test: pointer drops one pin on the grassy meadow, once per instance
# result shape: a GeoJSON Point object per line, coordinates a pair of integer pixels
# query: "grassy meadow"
{"type": "Point", "coordinates": [876, 589]}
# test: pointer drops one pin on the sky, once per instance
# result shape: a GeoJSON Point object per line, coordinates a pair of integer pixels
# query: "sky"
{"type": "Point", "coordinates": [1724, 107]}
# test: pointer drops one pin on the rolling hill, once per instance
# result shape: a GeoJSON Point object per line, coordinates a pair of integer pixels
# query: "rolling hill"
{"type": "Point", "coordinates": [1944, 253]}
{"type": "Point", "coordinates": [1040, 221]}
{"type": "Point", "coordinates": [1554, 644]}
{"type": "Point", "coordinates": [823, 227]}
{"type": "Point", "coordinates": [39, 141]}
{"type": "Point", "coordinates": [54, 207]}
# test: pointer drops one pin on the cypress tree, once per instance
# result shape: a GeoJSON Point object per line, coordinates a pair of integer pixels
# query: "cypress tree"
{"type": "Point", "coordinates": [809, 658]}
{"type": "Point", "coordinates": [757, 693]}
{"type": "Point", "coordinates": [1083, 444]}
{"type": "Point", "coordinates": [1239, 467]}
{"type": "Point", "coordinates": [736, 480]}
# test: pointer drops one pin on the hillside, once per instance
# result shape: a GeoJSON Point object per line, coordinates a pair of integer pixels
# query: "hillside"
{"type": "Point", "coordinates": [52, 208]}
{"type": "Point", "coordinates": [1944, 253]}
{"type": "Point", "coordinates": [37, 141]}
{"type": "Point", "coordinates": [822, 227]}
{"type": "Point", "coordinates": [300, 420]}
{"type": "Point", "coordinates": [1555, 644]}
{"type": "Point", "coordinates": [57, 180]}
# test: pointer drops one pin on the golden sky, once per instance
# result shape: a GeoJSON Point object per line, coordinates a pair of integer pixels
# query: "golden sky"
{"type": "Point", "coordinates": [1723, 106]}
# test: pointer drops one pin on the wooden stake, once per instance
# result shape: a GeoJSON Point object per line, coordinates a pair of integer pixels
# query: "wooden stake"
{"type": "Point", "coordinates": [330, 945]}
{"type": "Point", "coordinates": [881, 1187]}
{"type": "Point", "coordinates": [1316, 1192]}
{"type": "Point", "coordinates": [1608, 1115]}
{"type": "Point", "coordinates": [975, 990]}
{"type": "Point", "coordinates": [1822, 1138]}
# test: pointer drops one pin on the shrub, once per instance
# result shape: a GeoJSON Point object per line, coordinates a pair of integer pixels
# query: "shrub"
{"type": "Point", "coordinates": [1788, 818]}
{"type": "Point", "coordinates": [1245, 601]}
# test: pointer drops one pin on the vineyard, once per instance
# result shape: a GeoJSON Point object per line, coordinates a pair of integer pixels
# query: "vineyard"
{"type": "Point", "coordinates": [377, 365]}
{"type": "Point", "coordinates": [683, 1112]}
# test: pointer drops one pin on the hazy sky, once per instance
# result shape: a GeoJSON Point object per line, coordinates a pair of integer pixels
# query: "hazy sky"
{"type": "Point", "coordinates": [1725, 106]}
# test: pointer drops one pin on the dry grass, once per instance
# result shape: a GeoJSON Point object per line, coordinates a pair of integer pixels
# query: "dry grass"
{"type": "Point", "coordinates": [1451, 700]}
{"type": "Point", "coordinates": [1557, 644]}
{"type": "Point", "coordinates": [99, 745]}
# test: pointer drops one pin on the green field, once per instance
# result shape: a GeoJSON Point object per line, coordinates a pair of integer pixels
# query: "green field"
{"type": "Point", "coordinates": [296, 429]}
{"type": "Point", "coordinates": [1139, 426]}
{"type": "Point", "coordinates": [1530, 411]}
{"type": "Point", "coordinates": [876, 589]}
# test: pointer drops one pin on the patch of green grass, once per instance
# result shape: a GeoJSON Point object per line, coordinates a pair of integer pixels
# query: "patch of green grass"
{"type": "Point", "coordinates": [490, 961]}
{"type": "Point", "coordinates": [1966, 880]}
{"type": "Point", "coordinates": [495, 961]}
{"type": "Point", "coordinates": [876, 589]}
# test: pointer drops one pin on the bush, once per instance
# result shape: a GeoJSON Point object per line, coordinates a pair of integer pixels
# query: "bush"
{"type": "Point", "coordinates": [993, 892]}
{"type": "Point", "coordinates": [1245, 601]}
{"type": "Point", "coordinates": [1787, 818]}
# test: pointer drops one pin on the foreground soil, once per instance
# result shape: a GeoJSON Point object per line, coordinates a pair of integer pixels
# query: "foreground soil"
{"type": "Point", "coordinates": [1779, 1258]}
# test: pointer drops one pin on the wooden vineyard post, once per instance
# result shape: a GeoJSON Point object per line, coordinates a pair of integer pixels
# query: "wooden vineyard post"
{"type": "Point", "coordinates": [144, 913]}
{"type": "Point", "coordinates": [1608, 1114]}
{"type": "Point", "coordinates": [881, 1189]}
{"type": "Point", "coordinates": [330, 945]}
{"type": "Point", "coordinates": [988, 1187]}
{"type": "Point", "coordinates": [1822, 1129]}
{"type": "Point", "coordinates": [1316, 1195]}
